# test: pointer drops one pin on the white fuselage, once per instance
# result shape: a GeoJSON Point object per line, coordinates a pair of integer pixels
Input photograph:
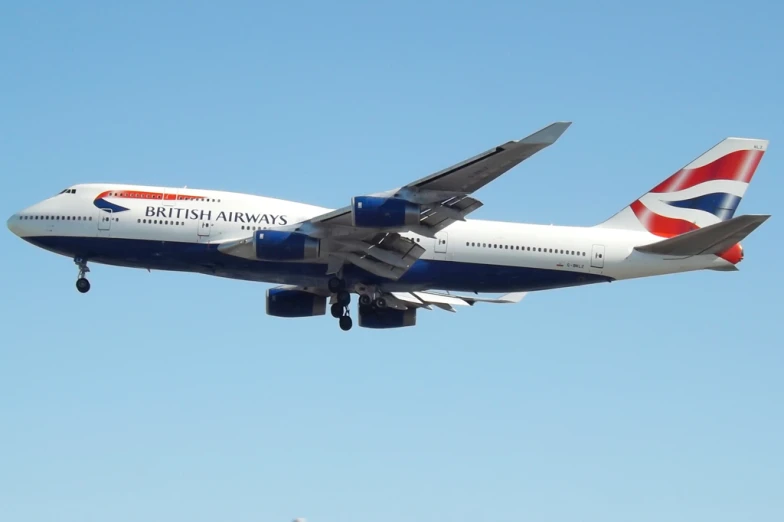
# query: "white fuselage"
{"type": "Point", "coordinates": [179, 229]}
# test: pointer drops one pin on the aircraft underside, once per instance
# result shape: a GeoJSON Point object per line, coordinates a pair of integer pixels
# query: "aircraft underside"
{"type": "Point", "coordinates": [206, 259]}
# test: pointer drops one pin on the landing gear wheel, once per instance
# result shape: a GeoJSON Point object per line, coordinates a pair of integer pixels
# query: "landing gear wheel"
{"type": "Point", "coordinates": [335, 285]}
{"type": "Point", "coordinates": [345, 323]}
{"type": "Point", "coordinates": [336, 310]}
{"type": "Point", "coordinates": [380, 303]}
{"type": "Point", "coordinates": [344, 298]}
{"type": "Point", "coordinates": [364, 300]}
{"type": "Point", "coordinates": [83, 285]}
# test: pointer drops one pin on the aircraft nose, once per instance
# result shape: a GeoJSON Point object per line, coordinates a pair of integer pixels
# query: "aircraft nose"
{"type": "Point", "coordinates": [13, 224]}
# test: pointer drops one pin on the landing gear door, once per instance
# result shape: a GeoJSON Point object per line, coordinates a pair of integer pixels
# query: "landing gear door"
{"type": "Point", "coordinates": [105, 219]}
{"type": "Point", "coordinates": [597, 256]}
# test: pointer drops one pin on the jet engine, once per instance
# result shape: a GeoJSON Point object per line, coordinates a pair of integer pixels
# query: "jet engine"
{"type": "Point", "coordinates": [277, 245]}
{"type": "Point", "coordinates": [294, 303]}
{"type": "Point", "coordinates": [371, 317]}
{"type": "Point", "coordinates": [375, 212]}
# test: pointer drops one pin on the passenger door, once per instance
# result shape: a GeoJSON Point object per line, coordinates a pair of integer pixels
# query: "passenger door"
{"type": "Point", "coordinates": [170, 197]}
{"type": "Point", "coordinates": [204, 231]}
{"type": "Point", "coordinates": [441, 245]}
{"type": "Point", "coordinates": [105, 220]}
{"type": "Point", "coordinates": [597, 256]}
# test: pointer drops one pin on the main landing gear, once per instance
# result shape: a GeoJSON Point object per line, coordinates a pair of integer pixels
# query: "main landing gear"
{"type": "Point", "coordinates": [339, 308]}
{"type": "Point", "coordinates": [82, 284]}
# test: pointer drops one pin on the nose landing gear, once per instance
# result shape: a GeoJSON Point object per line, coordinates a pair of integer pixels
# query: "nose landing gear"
{"type": "Point", "coordinates": [82, 284]}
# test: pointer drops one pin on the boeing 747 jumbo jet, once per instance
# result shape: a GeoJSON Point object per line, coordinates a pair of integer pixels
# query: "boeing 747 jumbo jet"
{"type": "Point", "coordinates": [407, 248]}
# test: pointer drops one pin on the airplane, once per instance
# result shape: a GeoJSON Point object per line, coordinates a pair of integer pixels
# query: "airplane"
{"type": "Point", "coordinates": [408, 248]}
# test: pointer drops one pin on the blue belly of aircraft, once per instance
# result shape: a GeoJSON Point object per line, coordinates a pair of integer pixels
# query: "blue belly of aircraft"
{"type": "Point", "coordinates": [206, 259]}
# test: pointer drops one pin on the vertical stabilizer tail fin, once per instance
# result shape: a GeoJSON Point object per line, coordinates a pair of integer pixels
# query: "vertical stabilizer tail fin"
{"type": "Point", "coordinates": [706, 191]}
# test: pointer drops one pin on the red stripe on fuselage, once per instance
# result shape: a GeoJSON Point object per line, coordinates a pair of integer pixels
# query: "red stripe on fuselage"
{"type": "Point", "coordinates": [137, 194]}
{"type": "Point", "coordinates": [738, 166]}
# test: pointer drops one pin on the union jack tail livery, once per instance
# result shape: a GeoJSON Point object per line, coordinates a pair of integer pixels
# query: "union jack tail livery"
{"type": "Point", "coordinates": [704, 192]}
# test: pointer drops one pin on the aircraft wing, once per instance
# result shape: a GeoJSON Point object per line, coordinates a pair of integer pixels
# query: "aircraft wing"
{"type": "Point", "coordinates": [428, 205]}
{"type": "Point", "coordinates": [421, 299]}
{"type": "Point", "coordinates": [445, 301]}
{"type": "Point", "coordinates": [446, 192]}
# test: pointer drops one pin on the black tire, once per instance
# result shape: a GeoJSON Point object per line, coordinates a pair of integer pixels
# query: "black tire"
{"type": "Point", "coordinates": [380, 303]}
{"type": "Point", "coordinates": [83, 285]}
{"type": "Point", "coordinates": [364, 300]}
{"type": "Point", "coordinates": [336, 310]}
{"type": "Point", "coordinates": [344, 298]}
{"type": "Point", "coordinates": [335, 285]}
{"type": "Point", "coordinates": [346, 323]}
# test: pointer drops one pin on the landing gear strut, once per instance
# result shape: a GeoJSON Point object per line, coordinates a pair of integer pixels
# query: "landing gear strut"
{"type": "Point", "coordinates": [339, 308]}
{"type": "Point", "coordinates": [335, 285]}
{"type": "Point", "coordinates": [82, 284]}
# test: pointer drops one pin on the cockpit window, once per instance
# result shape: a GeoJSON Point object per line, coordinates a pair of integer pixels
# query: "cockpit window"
{"type": "Point", "coordinates": [68, 191]}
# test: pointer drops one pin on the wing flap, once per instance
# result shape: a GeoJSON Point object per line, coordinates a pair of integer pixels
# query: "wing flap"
{"type": "Point", "coordinates": [449, 301]}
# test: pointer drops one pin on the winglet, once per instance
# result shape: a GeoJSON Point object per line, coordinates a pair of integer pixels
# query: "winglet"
{"type": "Point", "coordinates": [547, 135]}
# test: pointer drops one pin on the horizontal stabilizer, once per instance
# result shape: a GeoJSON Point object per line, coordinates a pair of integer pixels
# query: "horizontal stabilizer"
{"type": "Point", "coordinates": [712, 239]}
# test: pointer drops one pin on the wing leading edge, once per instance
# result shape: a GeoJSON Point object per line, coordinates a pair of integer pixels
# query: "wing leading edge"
{"type": "Point", "coordinates": [443, 198]}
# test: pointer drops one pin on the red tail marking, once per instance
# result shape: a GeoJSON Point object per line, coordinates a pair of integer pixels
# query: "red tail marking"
{"type": "Point", "coordinates": [660, 225]}
{"type": "Point", "coordinates": [739, 166]}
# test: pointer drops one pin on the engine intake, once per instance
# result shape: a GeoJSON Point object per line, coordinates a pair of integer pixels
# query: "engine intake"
{"type": "Point", "coordinates": [294, 303]}
{"type": "Point", "coordinates": [370, 317]}
{"type": "Point", "coordinates": [276, 245]}
{"type": "Point", "coordinates": [375, 212]}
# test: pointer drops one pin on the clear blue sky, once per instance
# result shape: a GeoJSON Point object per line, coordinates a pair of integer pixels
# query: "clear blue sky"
{"type": "Point", "coordinates": [163, 396]}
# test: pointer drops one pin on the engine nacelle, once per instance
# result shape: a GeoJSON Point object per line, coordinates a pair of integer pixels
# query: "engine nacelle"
{"type": "Point", "coordinates": [375, 212]}
{"type": "Point", "coordinates": [386, 317]}
{"type": "Point", "coordinates": [277, 245]}
{"type": "Point", "coordinates": [294, 303]}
